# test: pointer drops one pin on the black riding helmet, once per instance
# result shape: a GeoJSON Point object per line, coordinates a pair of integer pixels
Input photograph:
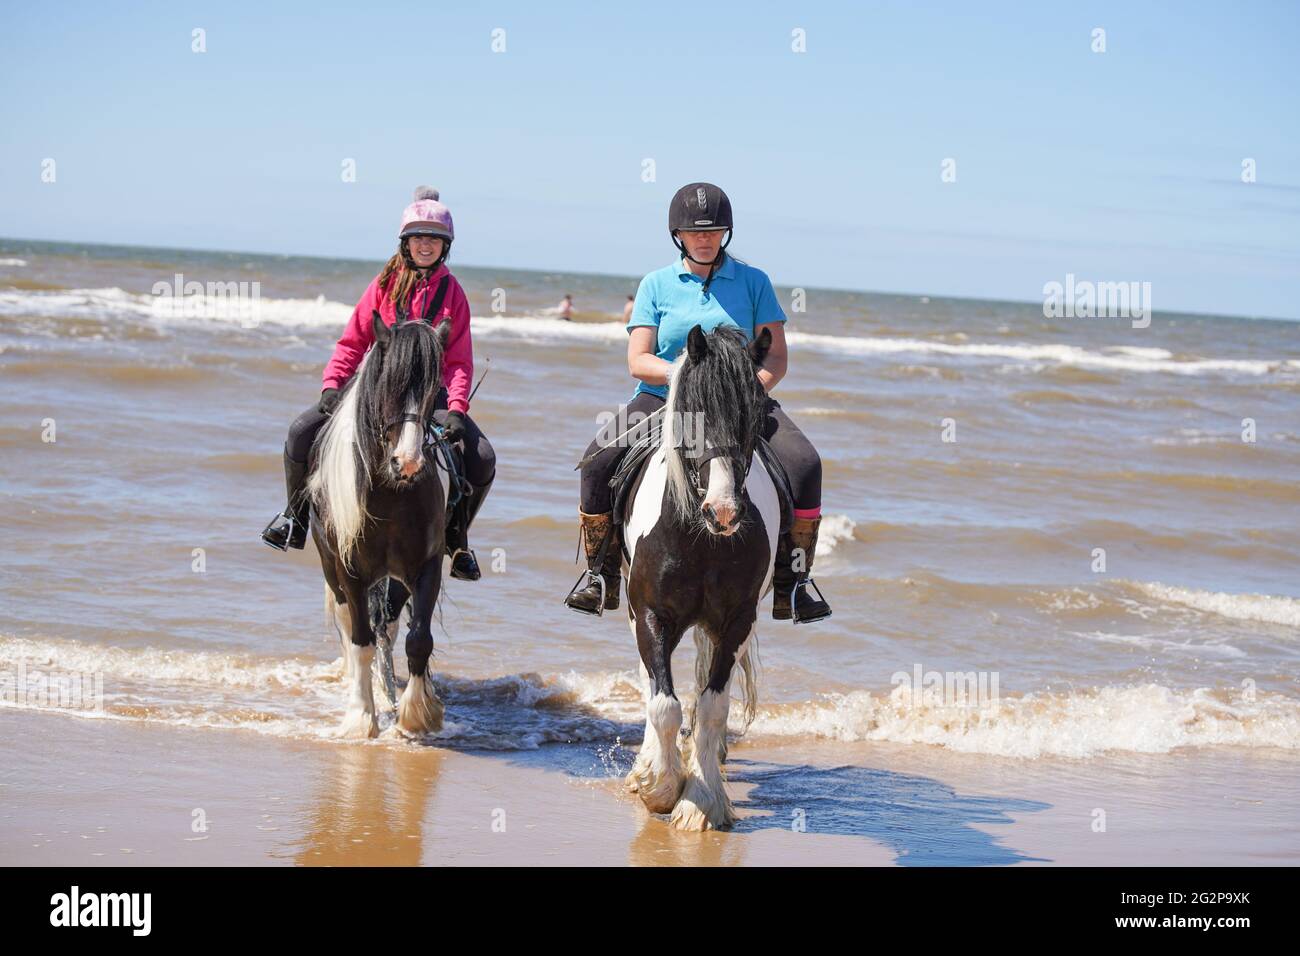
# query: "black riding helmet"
{"type": "Point", "coordinates": [700, 207]}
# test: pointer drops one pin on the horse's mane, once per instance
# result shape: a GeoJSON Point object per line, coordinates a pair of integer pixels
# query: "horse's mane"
{"type": "Point", "coordinates": [351, 447]}
{"type": "Point", "coordinates": [724, 391]}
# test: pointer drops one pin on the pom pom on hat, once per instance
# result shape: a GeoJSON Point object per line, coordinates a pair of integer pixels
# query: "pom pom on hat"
{"type": "Point", "coordinates": [425, 192]}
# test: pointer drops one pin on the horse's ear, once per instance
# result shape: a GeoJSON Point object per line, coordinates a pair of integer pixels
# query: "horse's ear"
{"type": "Point", "coordinates": [383, 334]}
{"type": "Point", "coordinates": [443, 332]}
{"type": "Point", "coordinates": [697, 346]}
{"type": "Point", "coordinates": [762, 343]}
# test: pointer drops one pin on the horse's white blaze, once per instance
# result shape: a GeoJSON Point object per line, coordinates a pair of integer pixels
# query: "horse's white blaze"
{"type": "Point", "coordinates": [658, 772]}
{"type": "Point", "coordinates": [359, 720]}
{"type": "Point", "coordinates": [334, 485]}
{"type": "Point", "coordinates": [704, 803]}
{"type": "Point", "coordinates": [410, 444]}
{"type": "Point", "coordinates": [721, 494]}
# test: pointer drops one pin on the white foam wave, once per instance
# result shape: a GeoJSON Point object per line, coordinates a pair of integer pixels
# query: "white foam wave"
{"type": "Point", "coordinates": [1149, 643]}
{"type": "Point", "coordinates": [1263, 608]}
{"type": "Point", "coordinates": [114, 303]}
{"type": "Point", "coordinates": [227, 670]}
{"type": "Point", "coordinates": [1056, 353]}
{"type": "Point", "coordinates": [13, 262]}
{"type": "Point", "coordinates": [303, 698]}
{"type": "Point", "coordinates": [1139, 719]}
{"type": "Point", "coordinates": [833, 530]}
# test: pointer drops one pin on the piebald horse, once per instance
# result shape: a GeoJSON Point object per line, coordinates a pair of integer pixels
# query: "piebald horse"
{"type": "Point", "coordinates": [700, 537]}
{"type": "Point", "coordinates": [379, 501]}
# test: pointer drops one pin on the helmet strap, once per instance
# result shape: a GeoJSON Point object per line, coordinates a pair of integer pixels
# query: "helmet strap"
{"type": "Point", "coordinates": [713, 264]}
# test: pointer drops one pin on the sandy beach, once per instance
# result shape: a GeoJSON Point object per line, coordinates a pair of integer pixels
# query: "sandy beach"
{"type": "Point", "coordinates": [109, 792]}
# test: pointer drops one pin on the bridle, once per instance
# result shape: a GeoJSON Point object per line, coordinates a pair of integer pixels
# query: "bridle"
{"type": "Point", "coordinates": [695, 464]}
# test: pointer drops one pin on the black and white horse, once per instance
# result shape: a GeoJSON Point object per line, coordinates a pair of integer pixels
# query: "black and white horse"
{"type": "Point", "coordinates": [701, 534]}
{"type": "Point", "coordinates": [379, 502]}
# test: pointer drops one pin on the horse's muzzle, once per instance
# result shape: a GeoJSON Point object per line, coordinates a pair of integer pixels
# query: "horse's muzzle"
{"type": "Point", "coordinates": [723, 519]}
{"type": "Point", "coordinates": [404, 470]}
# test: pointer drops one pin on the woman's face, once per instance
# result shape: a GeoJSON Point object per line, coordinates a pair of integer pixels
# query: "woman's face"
{"type": "Point", "coordinates": [425, 250]}
{"type": "Point", "coordinates": [703, 246]}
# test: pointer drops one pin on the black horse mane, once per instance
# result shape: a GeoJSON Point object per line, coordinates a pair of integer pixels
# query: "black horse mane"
{"type": "Point", "coordinates": [721, 389]}
{"type": "Point", "coordinates": [408, 368]}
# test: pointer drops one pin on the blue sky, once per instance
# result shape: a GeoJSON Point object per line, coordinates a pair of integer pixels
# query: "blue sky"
{"type": "Point", "coordinates": [1123, 165]}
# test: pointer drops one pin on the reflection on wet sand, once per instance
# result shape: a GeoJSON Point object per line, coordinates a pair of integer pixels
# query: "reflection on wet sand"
{"type": "Point", "coordinates": [371, 807]}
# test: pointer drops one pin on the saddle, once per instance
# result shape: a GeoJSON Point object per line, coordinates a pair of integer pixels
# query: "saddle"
{"type": "Point", "coordinates": [631, 469]}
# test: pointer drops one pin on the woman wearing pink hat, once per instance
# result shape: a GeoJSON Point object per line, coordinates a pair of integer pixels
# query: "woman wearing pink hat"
{"type": "Point", "coordinates": [415, 283]}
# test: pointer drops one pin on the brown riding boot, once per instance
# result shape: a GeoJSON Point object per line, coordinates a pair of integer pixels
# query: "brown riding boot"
{"type": "Point", "coordinates": [790, 597]}
{"type": "Point", "coordinates": [597, 589]}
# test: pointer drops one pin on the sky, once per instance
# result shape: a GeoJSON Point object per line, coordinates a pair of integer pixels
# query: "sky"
{"type": "Point", "coordinates": [1122, 165]}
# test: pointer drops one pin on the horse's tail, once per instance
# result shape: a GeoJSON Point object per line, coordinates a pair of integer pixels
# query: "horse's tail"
{"type": "Point", "coordinates": [746, 660]}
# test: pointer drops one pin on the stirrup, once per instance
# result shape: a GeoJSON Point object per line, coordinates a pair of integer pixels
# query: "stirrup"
{"type": "Point", "coordinates": [794, 607]}
{"type": "Point", "coordinates": [473, 557]}
{"type": "Point", "coordinates": [291, 529]}
{"type": "Point", "coordinates": [585, 579]}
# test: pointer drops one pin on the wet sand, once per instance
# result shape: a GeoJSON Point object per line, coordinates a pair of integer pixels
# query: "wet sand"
{"type": "Point", "coordinates": [86, 793]}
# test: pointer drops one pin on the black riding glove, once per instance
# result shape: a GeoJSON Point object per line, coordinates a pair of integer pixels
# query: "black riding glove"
{"type": "Point", "coordinates": [453, 429]}
{"type": "Point", "coordinates": [329, 400]}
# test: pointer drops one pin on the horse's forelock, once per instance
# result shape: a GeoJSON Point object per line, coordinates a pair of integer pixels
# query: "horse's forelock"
{"type": "Point", "coordinates": [723, 389]}
{"type": "Point", "coordinates": [410, 370]}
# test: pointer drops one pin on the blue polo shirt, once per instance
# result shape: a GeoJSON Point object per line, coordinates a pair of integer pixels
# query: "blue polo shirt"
{"type": "Point", "coordinates": [671, 301]}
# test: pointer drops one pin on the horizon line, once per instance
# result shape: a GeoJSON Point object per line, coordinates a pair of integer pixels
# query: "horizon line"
{"type": "Point", "coordinates": [630, 276]}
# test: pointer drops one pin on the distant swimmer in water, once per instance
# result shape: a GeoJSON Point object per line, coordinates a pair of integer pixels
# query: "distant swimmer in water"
{"type": "Point", "coordinates": [627, 309]}
{"type": "Point", "coordinates": [566, 308]}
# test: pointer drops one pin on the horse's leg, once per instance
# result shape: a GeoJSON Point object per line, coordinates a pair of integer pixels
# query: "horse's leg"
{"type": "Point", "coordinates": [704, 804]}
{"type": "Point", "coordinates": [420, 711]}
{"type": "Point", "coordinates": [658, 772]}
{"type": "Point", "coordinates": [387, 598]}
{"type": "Point", "coordinates": [359, 720]}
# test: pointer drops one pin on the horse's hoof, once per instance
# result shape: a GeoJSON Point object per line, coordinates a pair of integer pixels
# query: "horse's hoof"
{"type": "Point", "coordinates": [699, 810]}
{"type": "Point", "coordinates": [687, 816]}
{"type": "Point", "coordinates": [419, 711]}
{"type": "Point", "coordinates": [659, 796]}
{"type": "Point", "coordinates": [359, 725]}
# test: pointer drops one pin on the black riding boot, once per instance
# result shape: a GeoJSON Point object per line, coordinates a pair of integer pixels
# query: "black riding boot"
{"type": "Point", "coordinates": [464, 565]}
{"type": "Point", "coordinates": [289, 529]}
{"type": "Point", "coordinates": [790, 597]}
{"type": "Point", "coordinates": [597, 589]}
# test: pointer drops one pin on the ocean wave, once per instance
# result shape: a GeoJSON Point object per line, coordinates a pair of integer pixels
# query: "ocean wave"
{"type": "Point", "coordinates": [13, 262]}
{"type": "Point", "coordinates": [116, 304]}
{"type": "Point", "coordinates": [1080, 724]}
{"type": "Point", "coordinates": [1059, 354]}
{"type": "Point", "coordinates": [1262, 608]}
{"type": "Point", "coordinates": [304, 698]}
{"type": "Point", "coordinates": [834, 530]}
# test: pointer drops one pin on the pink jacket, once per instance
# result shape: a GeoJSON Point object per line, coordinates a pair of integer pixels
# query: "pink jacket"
{"type": "Point", "coordinates": [358, 336]}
